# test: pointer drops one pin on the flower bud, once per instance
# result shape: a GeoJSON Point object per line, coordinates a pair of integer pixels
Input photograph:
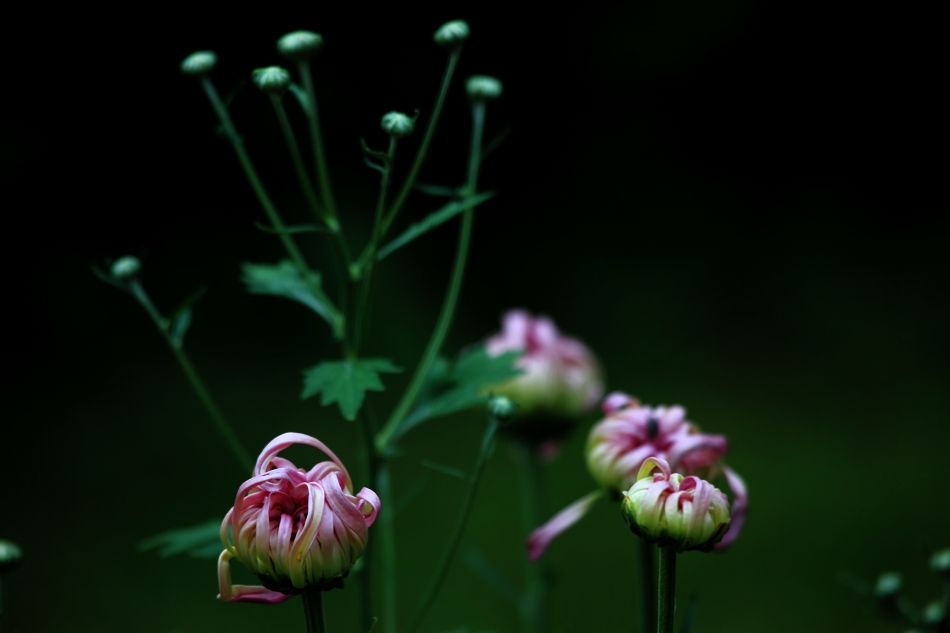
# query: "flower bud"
{"type": "Point", "coordinates": [888, 585]}
{"type": "Point", "coordinates": [934, 614]}
{"type": "Point", "coordinates": [294, 528]}
{"type": "Point", "coordinates": [199, 64]}
{"type": "Point", "coordinates": [560, 377]}
{"type": "Point", "coordinates": [452, 33]}
{"type": "Point", "coordinates": [300, 45]}
{"type": "Point", "coordinates": [940, 562]}
{"type": "Point", "coordinates": [126, 267]}
{"type": "Point", "coordinates": [397, 124]}
{"type": "Point", "coordinates": [502, 408]}
{"type": "Point", "coordinates": [681, 513]}
{"type": "Point", "coordinates": [483, 88]}
{"type": "Point", "coordinates": [272, 80]}
{"type": "Point", "coordinates": [10, 555]}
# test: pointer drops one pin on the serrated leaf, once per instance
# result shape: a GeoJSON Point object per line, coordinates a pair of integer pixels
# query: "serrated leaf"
{"type": "Point", "coordinates": [460, 385]}
{"type": "Point", "coordinates": [346, 382]}
{"type": "Point", "coordinates": [199, 541]}
{"type": "Point", "coordinates": [431, 221]}
{"type": "Point", "coordinates": [285, 280]}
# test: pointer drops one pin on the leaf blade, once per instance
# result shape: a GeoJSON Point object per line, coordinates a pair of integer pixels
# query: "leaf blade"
{"type": "Point", "coordinates": [346, 382]}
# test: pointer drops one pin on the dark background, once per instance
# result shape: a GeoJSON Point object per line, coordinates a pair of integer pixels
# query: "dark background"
{"type": "Point", "coordinates": [740, 206]}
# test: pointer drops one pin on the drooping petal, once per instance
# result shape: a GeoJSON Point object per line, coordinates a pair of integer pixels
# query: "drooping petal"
{"type": "Point", "coordinates": [370, 505]}
{"type": "Point", "coordinates": [242, 593]}
{"type": "Point", "coordinates": [286, 440]}
{"type": "Point", "coordinates": [740, 505]}
{"type": "Point", "coordinates": [541, 538]}
{"type": "Point", "coordinates": [616, 401]}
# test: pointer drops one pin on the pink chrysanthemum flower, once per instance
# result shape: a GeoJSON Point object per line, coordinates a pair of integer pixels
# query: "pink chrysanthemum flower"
{"type": "Point", "coordinates": [682, 513]}
{"type": "Point", "coordinates": [618, 446]}
{"type": "Point", "coordinates": [560, 375]}
{"type": "Point", "coordinates": [292, 527]}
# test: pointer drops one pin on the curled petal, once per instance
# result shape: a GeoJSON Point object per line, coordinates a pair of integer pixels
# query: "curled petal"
{"type": "Point", "coordinates": [242, 593]}
{"type": "Point", "coordinates": [542, 537]}
{"type": "Point", "coordinates": [740, 506]}
{"type": "Point", "coordinates": [697, 450]}
{"type": "Point", "coordinates": [370, 505]}
{"type": "Point", "coordinates": [286, 440]}
{"type": "Point", "coordinates": [650, 464]}
{"type": "Point", "coordinates": [618, 400]}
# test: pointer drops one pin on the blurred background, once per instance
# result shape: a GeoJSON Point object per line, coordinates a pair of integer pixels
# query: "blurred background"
{"type": "Point", "coordinates": [741, 207]}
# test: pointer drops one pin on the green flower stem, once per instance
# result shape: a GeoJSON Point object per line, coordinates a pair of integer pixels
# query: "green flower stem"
{"type": "Point", "coordinates": [666, 591]}
{"type": "Point", "coordinates": [313, 610]}
{"type": "Point", "coordinates": [533, 501]}
{"type": "Point", "coordinates": [262, 196]}
{"type": "Point", "coordinates": [407, 186]}
{"type": "Point", "coordinates": [294, 148]}
{"type": "Point", "coordinates": [648, 584]}
{"type": "Point", "coordinates": [194, 379]}
{"type": "Point", "coordinates": [387, 550]}
{"type": "Point", "coordinates": [316, 140]}
{"type": "Point", "coordinates": [487, 445]}
{"type": "Point", "coordinates": [366, 425]}
{"type": "Point", "coordinates": [367, 278]}
{"type": "Point", "coordinates": [384, 437]}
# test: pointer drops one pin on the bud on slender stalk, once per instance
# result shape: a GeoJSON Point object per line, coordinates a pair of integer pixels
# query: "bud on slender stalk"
{"type": "Point", "coordinates": [294, 528]}
{"type": "Point", "coordinates": [300, 45]}
{"type": "Point", "coordinates": [10, 555]}
{"type": "Point", "coordinates": [483, 88]}
{"type": "Point", "coordinates": [199, 64]}
{"type": "Point", "coordinates": [940, 562]}
{"type": "Point", "coordinates": [272, 80]}
{"type": "Point", "coordinates": [452, 33]}
{"type": "Point", "coordinates": [397, 124]}
{"type": "Point", "coordinates": [888, 586]}
{"type": "Point", "coordinates": [126, 267]}
{"type": "Point", "coordinates": [673, 511]}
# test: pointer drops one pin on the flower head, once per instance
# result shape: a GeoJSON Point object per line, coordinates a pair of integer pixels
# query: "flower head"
{"type": "Point", "coordinates": [560, 375]}
{"type": "Point", "coordinates": [683, 513]}
{"type": "Point", "coordinates": [199, 64]}
{"type": "Point", "coordinates": [452, 33]}
{"type": "Point", "coordinates": [294, 528]}
{"type": "Point", "coordinates": [300, 45]}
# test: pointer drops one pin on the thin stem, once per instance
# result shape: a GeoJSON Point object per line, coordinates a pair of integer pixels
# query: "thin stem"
{"type": "Point", "coordinates": [403, 194]}
{"type": "Point", "coordinates": [316, 140]}
{"type": "Point", "coordinates": [488, 441]}
{"type": "Point", "coordinates": [367, 278]}
{"type": "Point", "coordinates": [294, 148]}
{"type": "Point", "coordinates": [313, 610]}
{"type": "Point", "coordinates": [647, 564]}
{"type": "Point", "coordinates": [194, 379]}
{"type": "Point", "coordinates": [387, 550]}
{"type": "Point", "coordinates": [385, 436]}
{"type": "Point", "coordinates": [262, 196]}
{"type": "Point", "coordinates": [367, 577]}
{"type": "Point", "coordinates": [666, 591]}
{"type": "Point", "coordinates": [533, 501]}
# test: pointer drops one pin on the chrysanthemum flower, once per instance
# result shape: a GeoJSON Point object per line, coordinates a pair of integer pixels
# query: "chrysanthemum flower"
{"type": "Point", "coordinates": [294, 528]}
{"type": "Point", "coordinates": [619, 445]}
{"type": "Point", "coordinates": [673, 511]}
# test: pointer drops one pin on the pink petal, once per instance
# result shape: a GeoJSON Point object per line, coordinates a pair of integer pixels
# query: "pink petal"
{"type": "Point", "coordinates": [242, 593]}
{"type": "Point", "coordinates": [370, 499]}
{"type": "Point", "coordinates": [542, 537]}
{"type": "Point", "coordinates": [616, 401]}
{"type": "Point", "coordinates": [286, 440]}
{"type": "Point", "coordinates": [740, 507]}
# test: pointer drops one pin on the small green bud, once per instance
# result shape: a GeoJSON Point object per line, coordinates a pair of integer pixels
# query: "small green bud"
{"type": "Point", "coordinates": [502, 408]}
{"type": "Point", "coordinates": [483, 88]}
{"type": "Point", "coordinates": [940, 562]}
{"type": "Point", "coordinates": [272, 80]}
{"type": "Point", "coordinates": [397, 124]}
{"type": "Point", "coordinates": [888, 585]}
{"type": "Point", "coordinates": [934, 613]}
{"type": "Point", "coordinates": [199, 64]}
{"type": "Point", "coordinates": [300, 45]}
{"type": "Point", "coordinates": [126, 267]}
{"type": "Point", "coordinates": [10, 555]}
{"type": "Point", "coordinates": [452, 33]}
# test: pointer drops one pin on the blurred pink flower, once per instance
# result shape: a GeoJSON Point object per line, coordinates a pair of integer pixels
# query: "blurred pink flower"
{"type": "Point", "coordinates": [292, 527]}
{"type": "Point", "coordinates": [682, 513]}
{"type": "Point", "coordinates": [631, 433]}
{"type": "Point", "coordinates": [560, 375]}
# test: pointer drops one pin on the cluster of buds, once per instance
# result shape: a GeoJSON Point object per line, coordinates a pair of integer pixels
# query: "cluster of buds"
{"type": "Point", "coordinates": [294, 528]}
{"type": "Point", "coordinates": [621, 444]}
{"type": "Point", "coordinates": [935, 615]}
{"type": "Point", "coordinates": [560, 377]}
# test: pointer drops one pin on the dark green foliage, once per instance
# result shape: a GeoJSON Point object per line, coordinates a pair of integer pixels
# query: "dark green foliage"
{"type": "Point", "coordinates": [346, 382]}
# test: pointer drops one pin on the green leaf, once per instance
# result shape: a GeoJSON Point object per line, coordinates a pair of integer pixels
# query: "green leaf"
{"type": "Point", "coordinates": [181, 320]}
{"type": "Point", "coordinates": [431, 221]}
{"type": "Point", "coordinates": [199, 541]}
{"type": "Point", "coordinates": [285, 280]}
{"type": "Point", "coordinates": [346, 382]}
{"type": "Point", "coordinates": [460, 385]}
